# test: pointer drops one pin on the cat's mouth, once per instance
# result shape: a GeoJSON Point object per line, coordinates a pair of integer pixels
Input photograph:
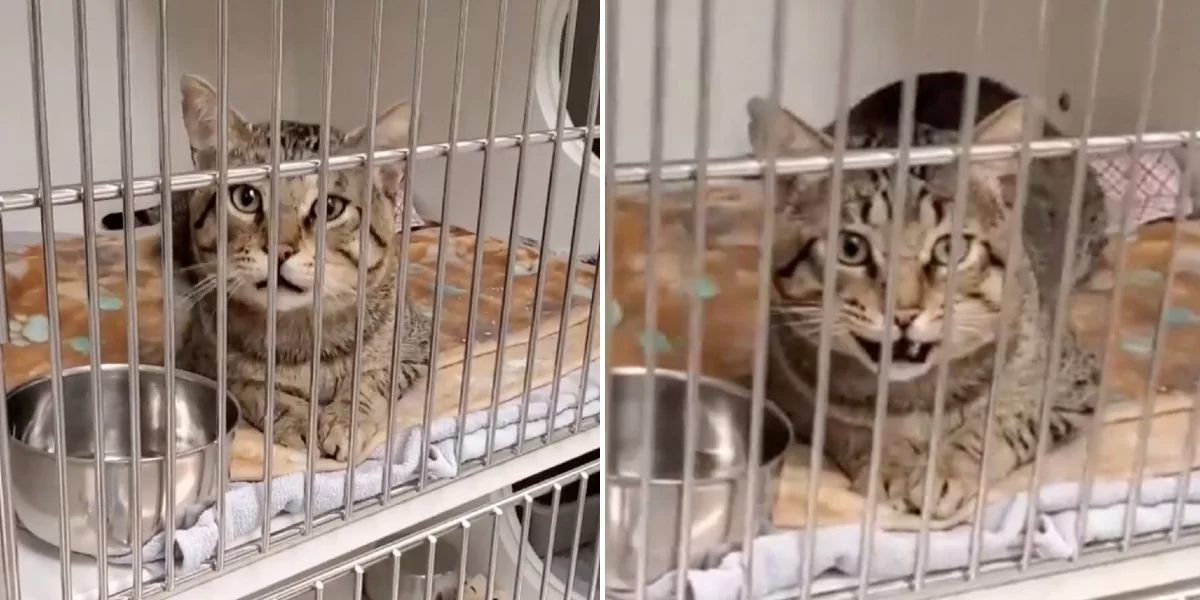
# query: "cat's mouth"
{"type": "Point", "coordinates": [284, 285]}
{"type": "Point", "coordinates": [904, 350]}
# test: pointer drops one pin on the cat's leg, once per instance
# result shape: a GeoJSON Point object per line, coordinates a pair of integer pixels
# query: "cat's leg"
{"type": "Point", "coordinates": [334, 430]}
{"type": "Point", "coordinates": [291, 412]}
{"type": "Point", "coordinates": [904, 461]}
{"type": "Point", "coordinates": [334, 426]}
{"type": "Point", "coordinates": [1017, 420]}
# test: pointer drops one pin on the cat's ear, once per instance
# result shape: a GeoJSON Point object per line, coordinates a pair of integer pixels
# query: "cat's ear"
{"type": "Point", "coordinates": [200, 109]}
{"type": "Point", "coordinates": [774, 127]}
{"type": "Point", "coordinates": [391, 132]}
{"type": "Point", "coordinates": [1005, 126]}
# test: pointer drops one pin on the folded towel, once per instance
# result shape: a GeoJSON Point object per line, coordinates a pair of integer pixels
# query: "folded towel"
{"type": "Point", "coordinates": [1112, 460]}
{"type": "Point", "coordinates": [197, 543]}
{"type": "Point", "coordinates": [778, 557]}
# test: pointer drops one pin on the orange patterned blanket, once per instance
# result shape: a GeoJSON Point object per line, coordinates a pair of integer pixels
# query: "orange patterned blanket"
{"type": "Point", "coordinates": [27, 355]}
{"type": "Point", "coordinates": [728, 286]}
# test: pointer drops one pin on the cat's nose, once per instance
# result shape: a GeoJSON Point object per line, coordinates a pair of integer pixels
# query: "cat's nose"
{"type": "Point", "coordinates": [905, 316]}
{"type": "Point", "coordinates": [286, 251]}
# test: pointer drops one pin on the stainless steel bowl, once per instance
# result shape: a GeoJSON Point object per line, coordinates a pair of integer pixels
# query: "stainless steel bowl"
{"type": "Point", "coordinates": [721, 476]}
{"type": "Point", "coordinates": [35, 472]}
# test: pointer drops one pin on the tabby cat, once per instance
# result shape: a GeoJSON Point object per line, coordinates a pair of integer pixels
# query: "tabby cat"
{"type": "Point", "coordinates": [922, 262]}
{"type": "Point", "coordinates": [298, 203]}
{"type": "Point", "coordinates": [875, 123]}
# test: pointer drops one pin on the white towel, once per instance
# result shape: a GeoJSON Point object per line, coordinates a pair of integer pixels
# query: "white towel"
{"type": "Point", "coordinates": [197, 543]}
{"type": "Point", "coordinates": [777, 556]}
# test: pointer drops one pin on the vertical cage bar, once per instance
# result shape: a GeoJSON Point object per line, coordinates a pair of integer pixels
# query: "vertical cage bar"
{"type": "Point", "coordinates": [1143, 436]}
{"type": "Point", "coordinates": [969, 111]}
{"type": "Point", "coordinates": [414, 124]}
{"type": "Point", "coordinates": [480, 222]}
{"type": "Point", "coordinates": [824, 346]}
{"type": "Point", "coordinates": [539, 289]}
{"type": "Point", "coordinates": [440, 266]}
{"type": "Point", "coordinates": [490, 586]}
{"type": "Point", "coordinates": [1189, 445]}
{"type": "Point", "coordinates": [11, 579]}
{"type": "Point", "coordinates": [899, 190]}
{"type": "Point", "coordinates": [464, 527]}
{"type": "Point", "coordinates": [1061, 307]}
{"type": "Point", "coordinates": [866, 538]}
{"type": "Point", "coordinates": [762, 329]}
{"type": "Point", "coordinates": [585, 169]}
{"type": "Point", "coordinates": [594, 317]}
{"type": "Point", "coordinates": [514, 237]}
{"type": "Point", "coordinates": [569, 585]}
{"type": "Point", "coordinates": [318, 316]}
{"type": "Point", "coordinates": [319, 590]}
{"type": "Point", "coordinates": [432, 547]}
{"type": "Point", "coordinates": [595, 587]}
{"type": "Point", "coordinates": [166, 213]}
{"type": "Point", "coordinates": [522, 542]}
{"type": "Point", "coordinates": [272, 210]}
{"type": "Point", "coordinates": [11, 575]}
{"type": "Point", "coordinates": [456, 105]}
{"type": "Point", "coordinates": [222, 311]}
{"type": "Point", "coordinates": [360, 308]}
{"type": "Point", "coordinates": [611, 42]}
{"type": "Point", "coordinates": [548, 552]}
{"type": "Point", "coordinates": [131, 287]}
{"type": "Point", "coordinates": [49, 264]}
{"type": "Point", "coordinates": [696, 303]}
{"type": "Point", "coordinates": [91, 264]}
{"type": "Point", "coordinates": [359, 580]}
{"type": "Point", "coordinates": [395, 574]}
{"type": "Point", "coordinates": [581, 193]}
{"type": "Point", "coordinates": [1184, 480]}
{"type": "Point", "coordinates": [1080, 173]}
{"type": "Point", "coordinates": [1029, 129]}
{"type": "Point", "coordinates": [654, 225]}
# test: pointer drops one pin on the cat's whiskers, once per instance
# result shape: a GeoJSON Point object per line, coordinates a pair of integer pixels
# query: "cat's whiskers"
{"type": "Point", "coordinates": [206, 286]}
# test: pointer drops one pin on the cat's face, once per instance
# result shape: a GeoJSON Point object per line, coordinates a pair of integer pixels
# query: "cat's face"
{"type": "Point", "coordinates": [298, 205]}
{"type": "Point", "coordinates": [922, 258]}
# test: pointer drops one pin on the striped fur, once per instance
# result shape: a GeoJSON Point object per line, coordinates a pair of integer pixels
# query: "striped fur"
{"type": "Point", "coordinates": [922, 262]}
{"type": "Point", "coordinates": [297, 204]}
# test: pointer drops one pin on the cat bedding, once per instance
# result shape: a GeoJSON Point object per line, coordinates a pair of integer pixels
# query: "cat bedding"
{"type": "Point", "coordinates": [27, 357]}
{"type": "Point", "coordinates": [731, 265]}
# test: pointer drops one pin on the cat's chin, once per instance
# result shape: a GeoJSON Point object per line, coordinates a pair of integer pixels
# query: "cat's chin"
{"type": "Point", "coordinates": [286, 301]}
{"type": "Point", "coordinates": [906, 371]}
{"type": "Point", "coordinates": [901, 371]}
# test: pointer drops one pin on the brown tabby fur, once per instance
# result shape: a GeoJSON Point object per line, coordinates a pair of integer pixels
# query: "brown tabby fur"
{"type": "Point", "coordinates": [249, 143]}
{"type": "Point", "coordinates": [982, 308]}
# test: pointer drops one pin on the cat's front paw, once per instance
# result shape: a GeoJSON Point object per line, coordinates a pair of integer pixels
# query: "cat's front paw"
{"type": "Point", "coordinates": [902, 482]}
{"type": "Point", "coordinates": [953, 488]}
{"type": "Point", "coordinates": [334, 432]}
{"type": "Point", "coordinates": [290, 430]}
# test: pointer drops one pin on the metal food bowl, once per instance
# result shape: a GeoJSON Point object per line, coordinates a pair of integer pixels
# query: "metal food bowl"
{"type": "Point", "coordinates": [721, 473]}
{"type": "Point", "coordinates": [35, 479]}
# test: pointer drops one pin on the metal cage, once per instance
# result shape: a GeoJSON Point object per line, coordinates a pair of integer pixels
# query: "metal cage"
{"type": "Point", "coordinates": [504, 104]}
{"type": "Point", "coordinates": [684, 203]}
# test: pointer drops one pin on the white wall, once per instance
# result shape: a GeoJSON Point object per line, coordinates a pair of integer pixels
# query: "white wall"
{"type": "Point", "coordinates": [881, 30]}
{"type": "Point", "coordinates": [192, 43]}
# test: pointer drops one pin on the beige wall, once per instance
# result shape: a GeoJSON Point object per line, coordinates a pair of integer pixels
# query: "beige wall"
{"type": "Point", "coordinates": [192, 42]}
{"type": "Point", "coordinates": [881, 29]}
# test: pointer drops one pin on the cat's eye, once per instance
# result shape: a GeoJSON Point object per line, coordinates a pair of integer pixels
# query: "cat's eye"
{"type": "Point", "coordinates": [245, 198]}
{"type": "Point", "coordinates": [335, 206]}
{"type": "Point", "coordinates": [941, 250]}
{"type": "Point", "coordinates": [853, 249]}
